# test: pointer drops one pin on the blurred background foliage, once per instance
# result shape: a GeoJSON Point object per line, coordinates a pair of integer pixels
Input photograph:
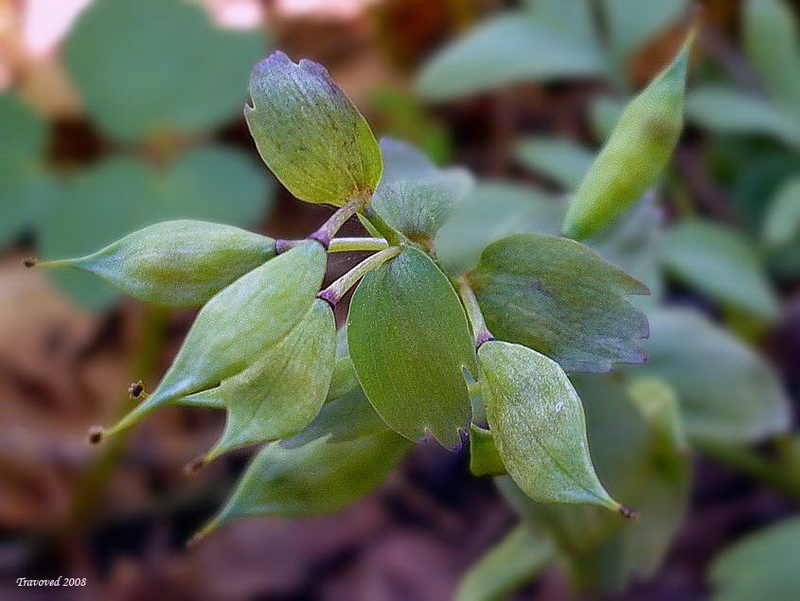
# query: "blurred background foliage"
{"type": "Point", "coordinates": [116, 114]}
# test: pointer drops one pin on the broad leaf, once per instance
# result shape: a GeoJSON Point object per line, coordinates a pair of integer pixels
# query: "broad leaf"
{"type": "Point", "coordinates": [151, 66]}
{"type": "Point", "coordinates": [773, 47]}
{"type": "Point", "coordinates": [309, 133]}
{"type": "Point", "coordinates": [410, 342]}
{"type": "Point", "coordinates": [574, 19]}
{"type": "Point", "coordinates": [414, 196]}
{"type": "Point", "coordinates": [631, 23]}
{"type": "Point", "coordinates": [782, 223]}
{"type": "Point", "coordinates": [538, 425]}
{"type": "Point", "coordinates": [121, 195]}
{"type": "Point", "coordinates": [344, 378]}
{"type": "Point", "coordinates": [178, 263]}
{"type": "Point", "coordinates": [506, 49]}
{"type": "Point", "coordinates": [604, 112]}
{"type": "Point", "coordinates": [560, 298]}
{"type": "Point", "coordinates": [346, 418]}
{"type": "Point", "coordinates": [315, 479]}
{"type": "Point", "coordinates": [727, 110]}
{"type": "Point", "coordinates": [720, 264]}
{"type": "Point", "coordinates": [23, 184]}
{"type": "Point", "coordinates": [560, 159]}
{"type": "Point", "coordinates": [726, 391]}
{"type": "Point", "coordinates": [283, 390]}
{"type": "Point", "coordinates": [494, 210]}
{"type": "Point", "coordinates": [513, 562]}
{"type": "Point", "coordinates": [760, 566]}
{"type": "Point", "coordinates": [243, 324]}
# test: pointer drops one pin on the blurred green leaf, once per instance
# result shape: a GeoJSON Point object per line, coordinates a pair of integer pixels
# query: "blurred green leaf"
{"type": "Point", "coordinates": [604, 112]}
{"type": "Point", "coordinates": [782, 223]}
{"type": "Point", "coordinates": [772, 45]}
{"type": "Point", "coordinates": [726, 391]}
{"type": "Point", "coordinates": [121, 195]}
{"type": "Point", "coordinates": [414, 196]}
{"type": "Point", "coordinates": [727, 110]}
{"type": "Point", "coordinates": [484, 460]}
{"type": "Point", "coordinates": [505, 49]}
{"type": "Point", "coordinates": [152, 66]}
{"type": "Point", "coordinates": [560, 159]}
{"type": "Point", "coordinates": [513, 562]}
{"type": "Point", "coordinates": [344, 419]}
{"type": "Point", "coordinates": [631, 23]}
{"type": "Point", "coordinates": [24, 187]}
{"type": "Point", "coordinates": [410, 342]}
{"type": "Point", "coordinates": [315, 479]}
{"type": "Point", "coordinates": [721, 264]}
{"type": "Point", "coordinates": [538, 425]}
{"type": "Point", "coordinates": [760, 566]}
{"type": "Point", "coordinates": [494, 210]}
{"type": "Point", "coordinates": [309, 133]}
{"type": "Point", "coordinates": [574, 19]}
{"type": "Point", "coordinates": [283, 390]}
{"type": "Point", "coordinates": [562, 299]}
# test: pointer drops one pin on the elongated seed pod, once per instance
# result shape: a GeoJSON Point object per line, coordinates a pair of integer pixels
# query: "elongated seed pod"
{"type": "Point", "coordinates": [176, 263]}
{"type": "Point", "coordinates": [636, 153]}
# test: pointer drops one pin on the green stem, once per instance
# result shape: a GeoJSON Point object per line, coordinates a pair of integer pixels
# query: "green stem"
{"type": "Point", "coordinates": [328, 230]}
{"type": "Point", "coordinates": [144, 364]}
{"type": "Point", "coordinates": [391, 235]}
{"type": "Point", "coordinates": [334, 293]}
{"type": "Point", "coordinates": [474, 313]}
{"type": "Point", "coordinates": [782, 474]}
{"type": "Point", "coordinates": [357, 244]}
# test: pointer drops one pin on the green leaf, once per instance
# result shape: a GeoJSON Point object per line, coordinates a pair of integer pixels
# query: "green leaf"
{"type": "Point", "coordinates": [560, 298]}
{"type": "Point", "coordinates": [726, 391]}
{"type": "Point", "coordinates": [309, 133]}
{"type": "Point", "coordinates": [506, 49]}
{"type": "Point", "coordinates": [178, 263]}
{"type": "Point", "coordinates": [604, 112]}
{"type": "Point", "coordinates": [346, 418]}
{"type": "Point", "coordinates": [513, 562]}
{"type": "Point", "coordinates": [575, 20]}
{"type": "Point", "coordinates": [538, 425]}
{"type": "Point", "coordinates": [560, 159]}
{"type": "Point", "coordinates": [315, 479]}
{"type": "Point", "coordinates": [283, 390]}
{"type": "Point", "coordinates": [152, 66]}
{"type": "Point", "coordinates": [760, 566]}
{"type": "Point", "coordinates": [494, 210]}
{"type": "Point", "coordinates": [245, 324]}
{"type": "Point", "coordinates": [782, 223]}
{"type": "Point", "coordinates": [410, 342]}
{"type": "Point", "coordinates": [121, 195]}
{"type": "Point", "coordinates": [720, 264]}
{"type": "Point", "coordinates": [344, 377]}
{"type": "Point", "coordinates": [641, 468]}
{"type": "Point", "coordinates": [631, 23]}
{"type": "Point", "coordinates": [415, 197]}
{"type": "Point", "coordinates": [771, 42]}
{"type": "Point", "coordinates": [484, 460]}
{"type": "Point", "coordinates": [727, 110]}
{"type": "Point", "coordinates": [634, 156]}
{"type": "Point", "coordinates": [23, 185]}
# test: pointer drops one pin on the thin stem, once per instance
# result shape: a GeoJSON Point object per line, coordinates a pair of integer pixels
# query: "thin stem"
{"type": "Point", "coordinates": [474, 313]}
{"type": "Point", "coordinates": [328, 229]}
{"type": "Point", "coordinates": [357, 244]}
{"type": "Point", "coordinates": [334, 293]}
{"type": "Point", "coordinates": [391, 235]}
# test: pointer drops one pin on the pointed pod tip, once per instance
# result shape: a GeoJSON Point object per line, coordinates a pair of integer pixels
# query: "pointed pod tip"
{"type": "Point", "coordinates": [96, 435]}
{"type": "Point", "coordinates": [628, 513]}
{"type": "Point", "coordinates": [30, 262]}
{"type": "Point", "coordinates": [195, 540]}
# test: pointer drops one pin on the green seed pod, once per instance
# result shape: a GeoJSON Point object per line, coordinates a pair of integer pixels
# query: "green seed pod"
{"type": "Point", "coordinates": [538, 425]}
{"type": "Point", "coordinates": [238, 326]}
{"type": "Point", "coordinates": [176, 263]}
{"type": "Point", "coordinates": [284, 390]}
{"type": "Point", "coordinates": [636, 153]}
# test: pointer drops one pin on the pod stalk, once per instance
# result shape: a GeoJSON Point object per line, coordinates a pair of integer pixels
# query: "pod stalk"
{"type": "Point", "coordinates": [336, 291]}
